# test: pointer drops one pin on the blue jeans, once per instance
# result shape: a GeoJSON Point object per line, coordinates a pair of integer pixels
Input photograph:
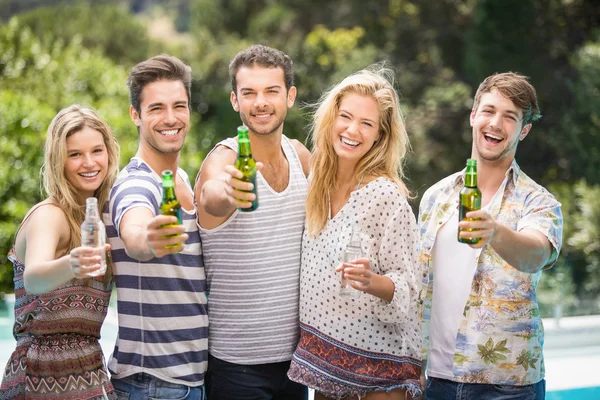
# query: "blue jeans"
{"type": "Point", "coordinates": [442, 389]}
{"type": "Point", "coordinates": [143, 386]}
{"type": "Point", "coordinates": [228, 381]}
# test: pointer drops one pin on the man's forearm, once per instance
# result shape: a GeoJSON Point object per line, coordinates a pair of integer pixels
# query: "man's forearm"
{"type": "Point", "coordinates": [524, 251]}
{"type": "Point", "coordinates": [214, 199]}
{"type": "Point", "coordinates": [136, 244]}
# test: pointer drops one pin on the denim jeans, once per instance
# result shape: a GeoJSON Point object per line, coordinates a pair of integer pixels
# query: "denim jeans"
{"type": "Point", "coordinates": [442, 389]}
{"type": "Point", "coordinates": [228, 381]}
{"type": "Point", "coordinates": [143, 386]}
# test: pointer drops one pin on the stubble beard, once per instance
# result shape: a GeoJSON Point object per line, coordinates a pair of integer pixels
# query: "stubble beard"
{"type": "Point", "coordinates": [262, 131]}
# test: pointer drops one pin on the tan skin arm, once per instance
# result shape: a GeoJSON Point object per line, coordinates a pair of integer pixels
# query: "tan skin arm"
{"type": "Point", "coordinates": [144, 236]}
{"type": "Point", "coordinates": [527, 250]}
{"type": "Point", "coordinates": [219, 189]}
{"type": "Point", "coordinates": [46, 236]}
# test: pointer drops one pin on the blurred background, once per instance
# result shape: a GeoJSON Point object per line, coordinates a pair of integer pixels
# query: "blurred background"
{"type": "Point", "coordinates": [55, 53]}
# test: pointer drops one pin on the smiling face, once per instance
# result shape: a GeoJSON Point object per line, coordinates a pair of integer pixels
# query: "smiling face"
{"type": "Point", "coordinates": [262, 99]}
{"type": "Point", "coordinates": [356, 128]}
{"type": "Point", "coordinates": [164, 117]}
{"type": "Point", "coordinates": [497, 128]}
{"type": "Point", "coordinates": [86, 165]}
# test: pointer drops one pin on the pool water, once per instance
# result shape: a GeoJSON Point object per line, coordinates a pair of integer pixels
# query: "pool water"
{"type": "Point", "coordinates": [556, 365]}
{"type": "Point", "coordinates": [591, 393]}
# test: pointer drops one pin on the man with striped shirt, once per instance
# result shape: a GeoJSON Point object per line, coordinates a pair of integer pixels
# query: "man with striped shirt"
{"type": "Point", "coordinates": [161, 350]}
{"type": "Point", "coordinates": [253, 258]}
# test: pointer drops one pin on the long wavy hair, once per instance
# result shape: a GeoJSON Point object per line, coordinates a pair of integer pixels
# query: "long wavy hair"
{"type": "Point", "coordinates": [384, 159]}
{"type": "Point", "coordinates": [67, 122]}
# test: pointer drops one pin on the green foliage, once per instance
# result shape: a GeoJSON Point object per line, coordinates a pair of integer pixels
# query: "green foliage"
{"type": "Point", "coordinates": [93, 25]}
{"type": "Point", "coordinates": [37, 80]}
{"type": "Point", "coordinates": [80, 52]}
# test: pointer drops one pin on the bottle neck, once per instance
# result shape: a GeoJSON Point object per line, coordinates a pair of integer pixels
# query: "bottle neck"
{"type": "Point", "coordinates": [244, 144]}
{"type": "Point", "coordinates": [471, 179]}
{"type": "Point", "coordinates": [168, 192]}
{"type": "Point", "coordinates": [355, 236]}
{"type": "Point", "coordinates": [91, 211]}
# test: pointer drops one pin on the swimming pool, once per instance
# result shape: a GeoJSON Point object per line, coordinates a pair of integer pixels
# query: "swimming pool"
{"type": "Point", "coordinates": [568, 369]}
{"type": "Point", "coordinates": [591, 393]}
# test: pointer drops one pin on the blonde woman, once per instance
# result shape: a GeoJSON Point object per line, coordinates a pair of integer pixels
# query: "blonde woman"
{"type": "Point", "coordinates": [366, 347]}
{"type": "Point", "coordinates": [59, 308]}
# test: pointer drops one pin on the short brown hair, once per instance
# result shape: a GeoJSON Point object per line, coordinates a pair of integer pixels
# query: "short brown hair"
{"type": "Point", "coordinates": [162, 67]}
{"type": "Point", "coordinates": [262, 56]}
{"type": "Point", "coordinates": [514, 87]}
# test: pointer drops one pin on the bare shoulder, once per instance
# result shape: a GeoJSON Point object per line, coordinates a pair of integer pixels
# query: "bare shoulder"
{"type": "Point", "coordinates": [212, 167]}
{"type": "Point", "coordinates": [47, 216]}
{"type": "Point", "coordinates": [303, 155]}
{"type": "Point", "coordinates": [220, 156]}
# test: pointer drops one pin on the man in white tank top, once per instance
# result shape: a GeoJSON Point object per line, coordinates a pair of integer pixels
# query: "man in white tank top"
{"type": "Point", "coordinates": [252, 258]}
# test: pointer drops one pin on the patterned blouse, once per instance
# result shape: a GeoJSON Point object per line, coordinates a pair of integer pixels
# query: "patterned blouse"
{"type": "Point", "coordinates": [500, 337]}
{"type": "Point", "coordinates": [354, 346]}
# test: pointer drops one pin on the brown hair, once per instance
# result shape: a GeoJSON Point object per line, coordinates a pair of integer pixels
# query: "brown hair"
{"type": "Point", "coordinates": [517, 89]}
{"type": "Point", "coordinates": [262, 56]}
{"type": "Point", "coordinates": [162, 67]}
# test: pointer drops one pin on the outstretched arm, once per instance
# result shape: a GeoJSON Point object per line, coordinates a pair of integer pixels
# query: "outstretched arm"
{"type": "Point", "coordinates": [219, 190]}
{"type": "Point", "coordinates": [46, 232]}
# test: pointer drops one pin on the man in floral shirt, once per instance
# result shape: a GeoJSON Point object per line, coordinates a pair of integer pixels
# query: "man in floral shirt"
{"type": "Point", "coordinates": [482, 331]}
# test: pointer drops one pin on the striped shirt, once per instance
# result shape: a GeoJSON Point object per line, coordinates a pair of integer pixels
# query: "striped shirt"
{"type": "Point", "coordinates": [163, 323]}
{"type": "Point", "coordinates": [253, 271]}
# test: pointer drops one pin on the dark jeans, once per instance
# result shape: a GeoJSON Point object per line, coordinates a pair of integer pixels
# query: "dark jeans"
{"type": "Point", "coordinates": [228, 381]}
{"type": "Point", "coordinates": [442, 389]}
{"type": "Point", "coordinates": [143, 386]}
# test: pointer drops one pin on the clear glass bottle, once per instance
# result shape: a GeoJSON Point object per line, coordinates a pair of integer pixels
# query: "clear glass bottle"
{"type": "Point", "coordinates": [93, 234]}
{"type": "Point", "coordinates": [350, 253]}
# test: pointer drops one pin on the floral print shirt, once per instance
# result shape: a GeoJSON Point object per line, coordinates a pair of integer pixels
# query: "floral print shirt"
{"type": "Point", "coordinates": [500, 338]}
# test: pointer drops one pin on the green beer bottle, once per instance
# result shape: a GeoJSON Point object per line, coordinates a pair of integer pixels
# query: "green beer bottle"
{"type": "Point", "coordinates": [470, 199]}
{"type": "Point", "coordinates": [170, 205]}
{"type": "Point", "coordinates": [246, 164]}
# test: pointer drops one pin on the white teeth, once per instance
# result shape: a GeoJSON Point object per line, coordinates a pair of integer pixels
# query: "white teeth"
{"type": "Point", "coordinates": [172, 132]}
{"type": "Point", "coordinates": [89, 174]}
{"type": "Point", "coordinates": [493, 136]}
{"type": "Point", "coordinates": [349, 142]}
{"type": "Point", "coordinates": [262, 115]}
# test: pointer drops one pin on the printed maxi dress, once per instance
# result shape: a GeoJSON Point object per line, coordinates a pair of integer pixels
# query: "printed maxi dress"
{"type": "Point", "coordinates": [58, 355]}
{"type": "Point", "coordinates": [351, 347]}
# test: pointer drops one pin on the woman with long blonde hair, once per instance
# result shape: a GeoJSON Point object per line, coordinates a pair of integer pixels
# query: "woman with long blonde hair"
{"type": "Point", "coordinates": [59, 303]}
{"type": "Point", "coordinates": [364, 342]}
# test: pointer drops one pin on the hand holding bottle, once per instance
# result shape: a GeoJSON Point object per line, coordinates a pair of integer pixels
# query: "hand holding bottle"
{"type": "Point", "coordinates": [239, 192]}
{"type": "Point", "coordinates": [479, 228]}
{"type": "Point", "coordinates": [88, 262]}
{"type": "Point", "coordinates": [164, 235]}
{"type": "Point", "coordinates": [357, 273]}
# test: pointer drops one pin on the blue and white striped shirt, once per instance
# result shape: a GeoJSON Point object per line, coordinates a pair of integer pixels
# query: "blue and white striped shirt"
{"type": "Point", "coordinates": [163, 321]}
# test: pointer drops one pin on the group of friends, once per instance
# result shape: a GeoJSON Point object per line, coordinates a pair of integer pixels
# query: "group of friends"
{"type": "Point", "coordinates": [233, 305]}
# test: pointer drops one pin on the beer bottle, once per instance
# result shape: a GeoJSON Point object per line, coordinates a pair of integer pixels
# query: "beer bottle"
{"type": "Point", "coordinates": [351, 252]}
{"type": "Point", "coordinates": [246, 164]}
{"type": "Point", "coordinates": [93, 234]}
{"type": "Point", "coordinates": [170, 205]}
{"type": "Point", "coordinates": [470, 199]}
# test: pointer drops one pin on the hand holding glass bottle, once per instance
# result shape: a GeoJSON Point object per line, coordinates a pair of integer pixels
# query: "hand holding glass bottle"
{"type": "Point", "coordinates": [89, 260]}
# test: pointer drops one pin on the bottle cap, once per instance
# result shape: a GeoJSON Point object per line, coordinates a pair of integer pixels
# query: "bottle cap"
{"type": "Point", "coordinates": [471, 162]}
